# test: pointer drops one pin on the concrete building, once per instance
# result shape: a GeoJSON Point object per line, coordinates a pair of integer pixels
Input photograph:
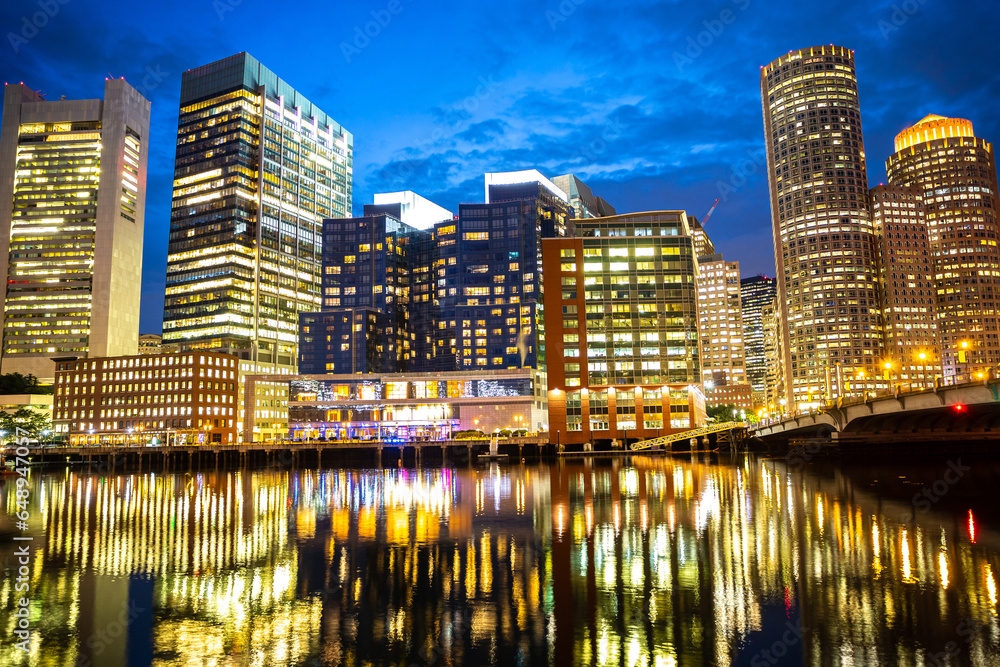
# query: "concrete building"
{"type": "Point", "coordinates": [179, 398]}
{"type": "Point", "coordinates": [906, 275]}
{"type": "Point", "coordinates": [258, 167]}
{"type": "Point", "coordinates": [824, 239]}
{"type": "Point", "coordinates": [720, 333]}
{"type": "Point", "coordinates": [150, 344]}
{"type": "Point", "coordinates": [413, 210]}
{"type": "Point", "coordinates": [620, 329]}
{"type": "Point", "coordinates": [755, 294]}
{"type": "Point", "coordinates": [956, 173]}
{"type": "Point", "coordinates": [72, 210]}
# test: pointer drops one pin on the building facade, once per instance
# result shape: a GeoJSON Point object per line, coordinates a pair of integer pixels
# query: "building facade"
{"type": "Point", "coordinates": [756, 293]}
{"type": "Point", "coordinates": [956, 173]}
{"type": "Point", "coordinates": [72, 210]}
{"type": "Point", "coordinates": [177, 399]}
{"type": "Point", "coordinates": [775, 400]}
{"type": "Point", "coordinates": [415, 406]}
{"type": "Point", "coordinates": [906, 274]}
{"type": "Point", "coordinates": [258, 167]}
{"type": "Point", "coordinates": [824, 240]}
{"type": "Point", "coordinates": [582, 199]}
{"type": "Point", "coordinates": [720, 333]}
{"type": "Point", "coordinates": [365, 324]}
{"type": "Point", "coordinates": [621, 329]}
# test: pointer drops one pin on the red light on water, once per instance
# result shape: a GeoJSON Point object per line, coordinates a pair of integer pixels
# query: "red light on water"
{"type": "Point", "coordinates": [972, 528]}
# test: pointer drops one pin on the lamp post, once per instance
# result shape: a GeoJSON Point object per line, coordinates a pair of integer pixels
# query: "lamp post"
{"type": "Point", "coordinates": [963, 354]}
{"type": "Point", "coordinates": [888, 374]}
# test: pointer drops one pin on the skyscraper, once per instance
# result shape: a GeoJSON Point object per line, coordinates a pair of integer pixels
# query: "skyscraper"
{"type": "Point", "coordinates": [258, 168]}
{"type": "Point", "coordinates": [582, 199]}
{"type": "Point", "coordinates": [906, 275]}
{"type": "Point", "coordinates": [755, 294]}
{"type": "Point", "coordinates": [720, 333]}
{"type": "Point", "coordinates": [824, 241]}
{"type": "Point", "coordinates": [72, 209]}
{"type": "Point", "coordinates": [956, 172]}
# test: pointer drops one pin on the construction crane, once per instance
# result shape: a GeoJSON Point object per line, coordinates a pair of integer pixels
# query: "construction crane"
{"type": "Point", "coordinates": [710, 212]}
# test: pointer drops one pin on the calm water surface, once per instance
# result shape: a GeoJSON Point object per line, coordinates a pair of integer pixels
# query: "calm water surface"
{"type": "Point", "coordinates": [648, 561]}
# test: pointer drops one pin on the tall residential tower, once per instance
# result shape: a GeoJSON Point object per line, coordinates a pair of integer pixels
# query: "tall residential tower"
{"type": "Point", "coordinates": [824, 240]}
{"type": "Point", "coordinates": [72, 207]}
{"type": "Point", "coordinates": [258, 168]}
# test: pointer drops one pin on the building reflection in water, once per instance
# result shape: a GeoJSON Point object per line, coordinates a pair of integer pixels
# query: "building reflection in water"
{"type": "Point", "coordinates": [654, 562]}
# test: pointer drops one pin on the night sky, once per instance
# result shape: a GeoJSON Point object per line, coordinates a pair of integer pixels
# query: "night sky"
{"type": "Point", "coordinates": [620, 93]}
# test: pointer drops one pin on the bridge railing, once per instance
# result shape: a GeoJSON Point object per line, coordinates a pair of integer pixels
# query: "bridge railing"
{"type": "Point", "coordinates": [687, 435]}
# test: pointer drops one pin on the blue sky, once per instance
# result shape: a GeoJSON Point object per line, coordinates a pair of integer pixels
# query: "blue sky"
{"type": "Point", "coordinates": [654, 104]}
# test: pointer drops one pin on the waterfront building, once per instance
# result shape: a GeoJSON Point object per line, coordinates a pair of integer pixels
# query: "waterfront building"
{"type": "Point", "coordinates": [824, 239]}
{"type": "Point", "coordinates": [415, 406]}
{"type": "Point", "coordinates": [365, 323]}
{"type": "Point", "coordinates": [72, 210]}
{"type": "Point", "coordinates": [720, 333]}
{"type": "Point", "coordinates": [755, 294]}
{"type": "Point", "coordinates": [621, 322]}
{"type": "Point", "coordinates": [906, 276]}
{"type": "Point", "coordinates": [487, 274]}
{"type": "Point", "coordinates": [258, 167]}
{"type": "Point", "coordinates": [582, 199]}
{"type": "Point", "coordinates": [956, 172]}
{"type": "Point", "coordinates": [177, 398]}
{"type": "Point", "coordinates": [775, 398]}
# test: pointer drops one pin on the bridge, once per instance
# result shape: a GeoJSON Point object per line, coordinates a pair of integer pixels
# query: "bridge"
{"type": "Point", "coordinates": [955, 413]}
{"type": "Point", "coordinates": [734, 430]}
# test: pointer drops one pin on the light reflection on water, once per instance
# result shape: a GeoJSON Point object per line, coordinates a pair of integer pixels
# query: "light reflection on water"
{"type": "Point", "coordinates": [650, 562]}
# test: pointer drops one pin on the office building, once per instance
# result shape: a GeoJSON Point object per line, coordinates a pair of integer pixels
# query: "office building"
{"type": "Point", "coordinates": [582, 199]}
{"type": "Point", "coordinates": [720, 333]}
{"type": "Point", "coordinates": [755, 294]}
{"type": "Point", "coordinates": [73, 193]}
{"type": "Point", "coordinates": [621, 329]}
{"type": "Point", "coordinates": [410, 209]}
{"type": "Point", "coordinates": [487, 269]}
{"type": "Point", "coordinates": [775, 399]}
{"type": "Point", "coordinates": [365, 325]}
{"type": "Point", "coordinates": [906, 275]}
{"type": "Point", "coordinates": [956, 172]}
{"type": "Point", "coordinates": [258, 168]}
{"type": "Point", "coordinates": [703, 245]}
{"type": "Point", "coordinates": [824, 240]}
{"type": "Point", "coordinates": [180, 398]}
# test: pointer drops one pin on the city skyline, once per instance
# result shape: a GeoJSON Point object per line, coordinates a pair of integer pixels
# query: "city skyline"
{"type": "Point", "coordinates": [658, 154]}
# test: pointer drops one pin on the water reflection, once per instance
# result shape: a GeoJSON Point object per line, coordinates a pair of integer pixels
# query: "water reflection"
{"type": "Point", "coordinates": [650, 562]}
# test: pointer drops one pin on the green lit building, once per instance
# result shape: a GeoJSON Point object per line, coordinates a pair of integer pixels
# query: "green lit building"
{"type": "Point", "coordinates": [258, 167]}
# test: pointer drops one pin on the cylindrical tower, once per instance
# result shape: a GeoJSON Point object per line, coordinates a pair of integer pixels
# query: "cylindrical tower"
{"type": "Point", "coordinates": [957, 173]}
{"type": "Point", "coordinates": [824, 241]}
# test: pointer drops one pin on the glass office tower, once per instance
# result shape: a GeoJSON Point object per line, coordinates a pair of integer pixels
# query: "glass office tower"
{"type": "Point", "coordinates": [73, 190]}
{"type": "Point", "coordinates": [258, 167]}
